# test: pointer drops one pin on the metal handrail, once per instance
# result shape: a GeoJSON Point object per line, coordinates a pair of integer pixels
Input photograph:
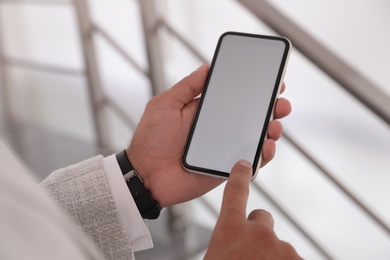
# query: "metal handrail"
{"type": "Point", "coordinates": [347, 77]}
{"type": "Point", "coordinates": [110, 102]}
{"type": "Point", "coordinates": [50, 68]}
{"type": "Point", "coordinates": [292, 220]}
{"type": "Point", "coordinates": [337, 183]}
{"type": "Point", "coordinates": [109, 39]}
{"type": "Point", "coordinates": [281, 210]}
{"type": "Point", "coordinates": [86, 28]}
{"type": "Point", "coordinates": [162, 23]}
{"type": "Point", "coordinates": [37, 2]}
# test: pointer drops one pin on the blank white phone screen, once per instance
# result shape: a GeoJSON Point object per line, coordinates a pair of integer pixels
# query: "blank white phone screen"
{"type": "Point", "coordinates": [236, 102]}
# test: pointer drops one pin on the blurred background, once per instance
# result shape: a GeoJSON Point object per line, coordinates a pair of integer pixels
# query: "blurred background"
{"type": "Point", "coordinates": [76, 76]}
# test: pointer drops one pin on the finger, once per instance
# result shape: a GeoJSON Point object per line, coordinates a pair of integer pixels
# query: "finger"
{"type": "Point", "coordinates": [275, 130]}
{"type": "Point", "coordinates": [268, 151]}
{"type": "Point", "coordinates": [283, 88]}
{"type": "Point", "coordinates": [262, 216]}
{"type": "Point", "coordinates": [236, 192]}
{"type": "Point", "coordinates": [282, 108]}
{"type": "Point", "coordinates": [188, 88]}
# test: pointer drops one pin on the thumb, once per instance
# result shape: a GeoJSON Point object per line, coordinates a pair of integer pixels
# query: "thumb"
{"type": "Point", "coordinates": [188, 88]}
{"type": "Point", "coordinates": [236, 192]}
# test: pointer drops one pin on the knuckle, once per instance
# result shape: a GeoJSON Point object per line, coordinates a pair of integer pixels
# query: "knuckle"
{"type": "Point", "coordinates": [154, 100]}
{"type": "Point", "coordinates": [155, 103]}
{"type": "Point", "coordinates": [264, 232]}
{"type": "Point", "coordinates": [262, 216]}
{"type": "Point", "coordinates": [288, 250]}
{"type": "Point", "coordinates": [151, 102]}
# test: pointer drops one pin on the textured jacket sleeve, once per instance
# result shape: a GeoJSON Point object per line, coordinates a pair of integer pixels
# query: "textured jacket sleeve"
{"type": "Point", "coordinates": [83, 191]}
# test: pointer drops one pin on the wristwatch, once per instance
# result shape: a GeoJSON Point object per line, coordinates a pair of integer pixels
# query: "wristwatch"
{"type": "Point", "coordinates": [147, 206]}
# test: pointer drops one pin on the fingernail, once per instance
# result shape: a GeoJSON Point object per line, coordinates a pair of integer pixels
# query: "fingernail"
{"type": "Point", "coordinates": [245, 163]}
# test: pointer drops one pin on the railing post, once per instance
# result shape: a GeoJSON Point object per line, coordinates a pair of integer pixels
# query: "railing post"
{"type": "Point", "coordinates": [177, 215]}
{"type": "Point", "coordinates": [8, 115]}
{"type": "Point", "coordinates": [95, 90]}
{"type": "Point", "coordinates": [150, 24]}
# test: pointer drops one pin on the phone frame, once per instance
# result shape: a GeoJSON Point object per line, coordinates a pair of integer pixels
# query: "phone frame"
{"type": "Point", "coordinates": [269, 116]}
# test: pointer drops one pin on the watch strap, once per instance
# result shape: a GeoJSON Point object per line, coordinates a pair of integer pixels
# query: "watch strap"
{"type": "Point", "coordinates": [147, 206]}
{"type": "Point", "coordinates": [143, 198]}
{"type": "Point", "coordinates": [124, 162]}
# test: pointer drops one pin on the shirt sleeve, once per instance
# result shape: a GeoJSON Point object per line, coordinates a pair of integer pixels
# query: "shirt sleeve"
{"type": "Point", "coordinates": [135, 226]}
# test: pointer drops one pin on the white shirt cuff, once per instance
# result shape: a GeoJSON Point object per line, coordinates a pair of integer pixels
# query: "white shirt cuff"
{"type": "Point", "coordinates": [134, 225]}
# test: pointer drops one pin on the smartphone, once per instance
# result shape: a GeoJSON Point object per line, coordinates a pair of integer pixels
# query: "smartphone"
{"type": "Point", "coordinates": [244, 81]}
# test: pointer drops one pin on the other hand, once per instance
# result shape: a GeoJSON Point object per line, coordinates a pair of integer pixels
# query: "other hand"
{"type": "Point", "coordinates": [237, 237]}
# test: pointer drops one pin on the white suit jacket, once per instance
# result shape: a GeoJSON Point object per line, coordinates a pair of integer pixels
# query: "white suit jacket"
{"type": "Point", "coordinates": [34, 227]}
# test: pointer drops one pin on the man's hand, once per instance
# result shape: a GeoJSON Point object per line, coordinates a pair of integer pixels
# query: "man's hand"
{"type": "Point", "coordinates": [238, 237]}
{"type": "Point", "coordinates": [159, 140]}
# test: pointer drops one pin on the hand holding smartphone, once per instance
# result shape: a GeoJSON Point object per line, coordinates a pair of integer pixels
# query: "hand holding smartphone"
{"type": "Point", "coordinates": [237, 103]}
